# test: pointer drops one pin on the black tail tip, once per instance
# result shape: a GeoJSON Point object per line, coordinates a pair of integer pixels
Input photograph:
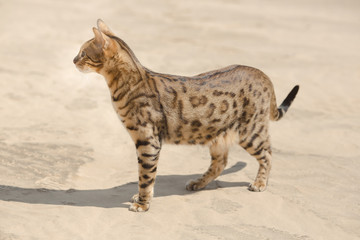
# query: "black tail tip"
{"type": "Point", "coordinates": [290, 97]}
{"type": "Point", "coordinates": [295, 90]}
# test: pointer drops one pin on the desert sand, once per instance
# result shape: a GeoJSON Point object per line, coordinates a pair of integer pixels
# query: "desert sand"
{"type": "Point", "coordinates": [68, 167]}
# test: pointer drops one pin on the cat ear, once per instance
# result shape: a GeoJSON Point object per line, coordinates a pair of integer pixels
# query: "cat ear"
{"type": "Point", "coordinates": [103, 28]}
{"type": "Point", "coordinates": [101, 40]}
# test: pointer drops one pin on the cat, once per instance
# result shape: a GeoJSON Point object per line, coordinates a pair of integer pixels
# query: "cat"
{"type": "Point", "coordinates": [218, 108]}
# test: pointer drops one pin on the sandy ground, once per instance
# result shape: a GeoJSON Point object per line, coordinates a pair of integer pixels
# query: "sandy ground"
{"type": "Point", "coordinates": [68, 167]}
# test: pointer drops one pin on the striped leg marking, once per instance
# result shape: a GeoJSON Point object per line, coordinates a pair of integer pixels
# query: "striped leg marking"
{"type": "Point", "coordinates": [262, 177]}
{"type": "Point", "coordinates": [259, 147]}
{"type": "Point", "coordinates": [148, 155]}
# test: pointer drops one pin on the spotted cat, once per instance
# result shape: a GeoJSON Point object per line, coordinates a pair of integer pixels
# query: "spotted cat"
{"type": "Point", "coordinates": [217, 108]}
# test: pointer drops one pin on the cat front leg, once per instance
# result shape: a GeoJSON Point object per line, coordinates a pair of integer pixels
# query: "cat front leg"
{"type": "Point", "coordinates": [148, 150]}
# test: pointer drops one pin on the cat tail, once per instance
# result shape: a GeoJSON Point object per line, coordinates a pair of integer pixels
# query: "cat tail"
{"type": "Point", "coordinates": [276, 113]}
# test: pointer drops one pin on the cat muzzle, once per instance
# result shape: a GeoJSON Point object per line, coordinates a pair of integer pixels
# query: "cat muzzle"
{"type": "Point", "coordinates": [76, 59]}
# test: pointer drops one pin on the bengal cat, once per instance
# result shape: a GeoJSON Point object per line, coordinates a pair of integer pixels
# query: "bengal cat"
{"type": "Point", "coordinates": [217, 108]}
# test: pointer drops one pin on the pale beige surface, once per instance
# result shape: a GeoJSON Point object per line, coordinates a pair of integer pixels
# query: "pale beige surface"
{"type": "Point", "coordinates": [68, 167]}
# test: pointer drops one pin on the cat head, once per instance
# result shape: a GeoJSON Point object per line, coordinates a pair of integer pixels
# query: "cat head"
{"type": "Point", "coordinates": [94, 54]}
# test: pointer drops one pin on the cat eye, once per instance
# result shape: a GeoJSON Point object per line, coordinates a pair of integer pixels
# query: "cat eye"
{"type": "Point", "coordinates": [82, 54]}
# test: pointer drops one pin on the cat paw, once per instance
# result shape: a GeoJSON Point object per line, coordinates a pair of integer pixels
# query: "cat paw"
{"type": "Point", "coordinates": [137, 205]}
{"type": "Point", "coordinates": [257, 186]}
{"type": "Point", "coordinates": [193, 185]}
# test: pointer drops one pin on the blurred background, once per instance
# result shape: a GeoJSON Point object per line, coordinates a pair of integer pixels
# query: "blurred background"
{"type": "Point", "coordinates": [58, 129]}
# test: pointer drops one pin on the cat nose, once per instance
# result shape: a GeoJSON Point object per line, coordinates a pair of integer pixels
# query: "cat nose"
{"type": "Point", "coordinates": [76, 59]}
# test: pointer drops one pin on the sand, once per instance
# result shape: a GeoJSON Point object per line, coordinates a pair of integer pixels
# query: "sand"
{"type": "Point", "coordinates": [68, 167]}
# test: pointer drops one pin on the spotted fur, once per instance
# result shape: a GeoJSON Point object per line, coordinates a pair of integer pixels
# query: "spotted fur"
{"type": "Point", "coordinates": [217, 108]}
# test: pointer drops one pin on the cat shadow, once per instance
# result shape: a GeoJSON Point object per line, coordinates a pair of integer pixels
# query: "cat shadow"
{"type": "Point", "coordinates": [116, 197]}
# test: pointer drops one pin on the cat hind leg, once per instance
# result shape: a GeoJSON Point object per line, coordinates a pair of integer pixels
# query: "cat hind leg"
{"type": "Point", "coordinates": [219, 153]}
{"type": "Point", "coordinates": [259, 147]}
